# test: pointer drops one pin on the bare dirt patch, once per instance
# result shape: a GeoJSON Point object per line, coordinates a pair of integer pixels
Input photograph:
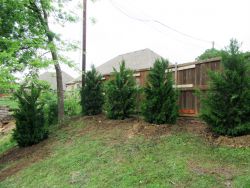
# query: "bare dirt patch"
{"type": "Point", "coordinates": [222, 173]}
{"type": "Point", "coordinates": [6, 127]}
{"type": "Point", "coordinates": [199, 128]}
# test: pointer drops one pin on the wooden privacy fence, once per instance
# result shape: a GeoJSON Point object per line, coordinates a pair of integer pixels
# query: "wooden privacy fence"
{"type": "Point", "coordinates": [188, 77]}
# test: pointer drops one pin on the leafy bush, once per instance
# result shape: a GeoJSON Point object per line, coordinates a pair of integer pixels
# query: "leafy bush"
{"type": "Point", "coordinates": [120, 93]}
{"type": "Point", "coordinates": [72, 105]}
{"type": "Point", "coordinates": [160, 104]}
{"type": "Point", "coordinates": [50, 108]}
{"type": "Point", "coordinates": [92, 93]}
{"type": "Point", "coordinates": [209, 53]}
{"type": "Point", "coordinates": [30, 120]}
{"type": "Point", "coordinates": [226, 106]}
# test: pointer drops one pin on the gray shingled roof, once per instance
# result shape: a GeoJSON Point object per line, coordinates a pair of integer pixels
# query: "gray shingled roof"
{"type": "Point", "coordinates": [50, 77]}
{"type": "Point", "coordinates": [137, 60]}
{"type": "Point", "coordinates": [141, 59]}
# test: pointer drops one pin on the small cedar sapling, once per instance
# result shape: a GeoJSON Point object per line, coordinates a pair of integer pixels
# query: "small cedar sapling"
{"type": "Point", "coordinates": [30, 121]}
{"type": "Point", "coordinates": [120, 93]}
{"type": "Point", "coordinates": [226, 105]}
{"type": "Point", "coordinates": [92, 98]}
{"type": "Point", "coordinates": [160, 104]}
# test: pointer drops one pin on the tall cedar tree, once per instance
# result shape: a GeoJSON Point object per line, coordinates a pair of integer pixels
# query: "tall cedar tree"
{"type": "Point", "coordinates": [30, 120]}
{"type": "Point", "coordinates": [120, 93]}
{"type": "Point", "coordinates": [92, 93]}
{"type": "Point", "coordinates": [226, 106]}
{"type": "Point", "coordinates": [160, 105]}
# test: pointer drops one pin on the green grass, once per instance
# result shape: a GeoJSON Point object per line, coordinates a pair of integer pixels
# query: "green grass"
{"type": "Point", "coordinates": [106, 159]}
{"type": "Point", "coordinates": [8, 101]}
{"type": "Point", "coordinates": [6, 142]}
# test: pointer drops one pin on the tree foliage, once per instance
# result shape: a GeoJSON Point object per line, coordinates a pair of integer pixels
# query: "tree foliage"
{"type": "Point", "coordinates": [160, 105]}
{"type": "Point", "coordinates": [30, 120]}
{"type": "Point", "coordinates": [120, 93]}
{"type": "Point", "coordinates": [92, 93]}
{"type": "Point", "coordinates": [226, 107]}
{"type": "Point", "coordinates": [210, 53]}
{"type": "Point", "coordinates": [26, 37]}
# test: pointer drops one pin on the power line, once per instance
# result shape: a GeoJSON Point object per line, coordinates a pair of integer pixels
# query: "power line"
{"type": "Point", "coordinates": [158, 22]}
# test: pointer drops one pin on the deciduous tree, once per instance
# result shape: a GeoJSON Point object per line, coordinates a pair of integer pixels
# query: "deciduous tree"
{"type": "Point", "coordinates": [26, 37]}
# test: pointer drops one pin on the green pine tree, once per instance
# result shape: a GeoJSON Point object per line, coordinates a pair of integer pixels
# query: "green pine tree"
{"type": "Point", "coordinates": [92, 93]}
{"type": "Point", "coordinates": [160, 105]}
{"type": "Point", "coordinates": [30, 120]}
{"type": "Point", "coordinates": [120, 93]}
{"type": "Point", "coordinates": [226, 106]}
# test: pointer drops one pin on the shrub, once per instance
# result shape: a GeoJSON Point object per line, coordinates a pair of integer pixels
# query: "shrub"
{"type": "Point", "coordinates": [30, 121]}
{"type": "Point", "coordinates": [50, 108]}
{"type": "Point", "coordinates": [72, 105]}
{"type": "Point", "coordinates": [226, 106]}
{"type": "Point", "coordinates": [120, 93]}
{"type": "Point", "coordinates": [160, 103]}
{"type": "Point", "coordinates": [92, 93]}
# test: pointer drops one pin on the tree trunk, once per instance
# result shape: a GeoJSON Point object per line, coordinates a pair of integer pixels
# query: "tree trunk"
{"type": "Point", "coordinates": [54, 54]}
{"type": "Point", "coordinates": [59, 82]}
{"type": "Point", "coordinates": [60, 94]}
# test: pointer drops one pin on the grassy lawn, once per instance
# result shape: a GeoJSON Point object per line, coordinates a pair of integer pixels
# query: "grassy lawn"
{"type": "Point", "coordinates": [6, 142]}
{"type": "Point", "coordinates": [91, 153]}
{"type": "Point", "coordinates": [7, 101]}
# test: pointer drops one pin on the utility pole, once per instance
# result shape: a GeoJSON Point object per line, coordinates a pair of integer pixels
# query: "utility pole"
{"type": "Point", "coordinates": [84, 42]}
{"type": "Point", "coordinates": [212, 44]}
{"type": "Point", "coordinates": [83, 49]}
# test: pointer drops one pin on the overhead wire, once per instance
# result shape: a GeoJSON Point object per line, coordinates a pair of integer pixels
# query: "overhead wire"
{"type": "Point", "coordinates": [158, 22]}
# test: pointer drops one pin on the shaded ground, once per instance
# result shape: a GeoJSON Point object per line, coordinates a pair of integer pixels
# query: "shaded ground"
{"type": "Point", "coordinates": [123, 132]}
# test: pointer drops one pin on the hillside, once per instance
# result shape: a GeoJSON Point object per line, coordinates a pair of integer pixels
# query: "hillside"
{"type": "Point", "coordinates": [96, 152]}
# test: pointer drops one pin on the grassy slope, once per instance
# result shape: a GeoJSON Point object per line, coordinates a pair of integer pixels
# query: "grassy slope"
{"type": "Point", "coordinates": [6, 142]}
{"type": "Point", "coordinates": [106, 158]}
{"type": "Point", "coordinates": [6, 101]}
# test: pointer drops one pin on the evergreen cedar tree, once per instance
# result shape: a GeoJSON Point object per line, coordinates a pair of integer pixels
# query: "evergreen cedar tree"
{"type": "Point", "coordinates": [226, 106]}
{"type": "Point", "coordinates": [92, 94]}
{"type": "Point", "coordinates": [120, 93]}
{"type": "Point", "coordinates": [30, 120]}
{"type": "Point", "coordinates": [160, 104]}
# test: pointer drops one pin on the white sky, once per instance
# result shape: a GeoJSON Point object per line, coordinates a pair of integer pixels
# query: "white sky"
{"type": "Point", "coordinates": [115, 33]}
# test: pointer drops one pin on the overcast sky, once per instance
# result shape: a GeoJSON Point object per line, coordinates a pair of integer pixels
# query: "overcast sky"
{"type": "Point", "coordinates": [124, 26]}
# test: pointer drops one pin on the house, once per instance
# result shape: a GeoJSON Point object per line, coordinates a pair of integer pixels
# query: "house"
{"type": "Point", "coordinates": [139, 61]}
{"type": "Point", "coordinates": [50, 77]}
{"type": "Point", "coordinates": [74, 84]}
